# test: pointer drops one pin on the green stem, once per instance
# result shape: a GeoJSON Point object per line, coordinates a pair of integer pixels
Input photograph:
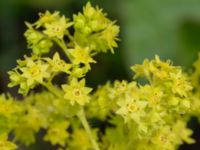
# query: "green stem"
{"type": "Point", "coordinates": [94, 53]}
{"type": "Point", "coordinates": [69, 35]}
{"type": "Point", "coordinates": [85, 124]}
{"type": "Point", "coordinates": [52, 89]}
{"type": "Point", "coordinates": [63, 46]}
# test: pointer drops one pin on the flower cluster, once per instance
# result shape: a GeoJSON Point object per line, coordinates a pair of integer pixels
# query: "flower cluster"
{"type": "Point", "coordinates": [127, 115]}
{"type": "Point", "coordinates": [29, 72]}
{"type": "Point", "coordinates": [93, 29]}
{"type": "Point", "coordinates": [153, 113]}
{"type": "Point", "coordinates": [10, 111]}
{"type": "Point", "coordinates": [56, 109]}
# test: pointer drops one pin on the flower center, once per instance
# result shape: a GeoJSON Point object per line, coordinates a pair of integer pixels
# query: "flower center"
{"type": "Point", "coordinates": [132, 107]}
{"type": "Point", "coordinates": [34, 71]}
{"type": "Point", "coordinates": [77, 92]}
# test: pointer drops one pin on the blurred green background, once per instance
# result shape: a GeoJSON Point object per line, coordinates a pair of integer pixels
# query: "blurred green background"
{"type": "Point", "coordinates": [169, 28]}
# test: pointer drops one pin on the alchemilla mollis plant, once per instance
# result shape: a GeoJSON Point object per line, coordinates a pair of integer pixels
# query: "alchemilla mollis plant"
{"type": "Point", "coordinates": [152, 115]}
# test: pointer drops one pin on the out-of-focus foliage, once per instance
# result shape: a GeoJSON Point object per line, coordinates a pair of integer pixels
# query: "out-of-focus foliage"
{"type": "Point", "coordinates": [169, 28]}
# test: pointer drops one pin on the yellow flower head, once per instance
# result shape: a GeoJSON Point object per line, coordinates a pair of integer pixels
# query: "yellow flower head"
{"type": "Point", "coordinates": [80, 140]}
{"type": "Point", "coordinates": [29, 73]}
{"type": "Point", "coordinates": [37, 41]}
{"type": "Point", "coordinates": [34, 71]}
{"type": "Point", "coordinates": [5, 144]}
{"type": "Point", "coordinates": [57, 28]}
{"type": "Point", "coordinates": [47, 18]}
{"type": "Point", "coordinates": [131, 109]}
{"type": "Point", "coordinates": [76, 92]}
{"type": "Point", "coordinates": [82, 55]}
{"type": "Point", "coordinates": [95, 30]}
{"type": "Point", "coordinates": [59, 65]}
{"type": "Point", "coordinates": [57, 133]}
{"type": "Point", "coordinates": [109, 35]}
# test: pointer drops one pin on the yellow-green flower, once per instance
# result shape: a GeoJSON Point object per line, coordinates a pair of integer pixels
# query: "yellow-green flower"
{"type": "Point", "coordinates": [46, 18]}
{"type": "Point", "coordinates": [164, 139]}
{"type": "Point", "coordinates": [180, 84]}
{"type": "Point", "coordinates": [131, 108]}
{"type": "Point", "coordinates": [92, 20]}
{"type": "Point", "coordinates": [120, 89]}
{"type": "Point", "coordinates": [78, 72]}
{"type": "Point", "coordinates": [59, 65]}
{"type": "Point", "coordinates": [32, 35]}
{"type": "Point", "coordinates": [57, 29]}
{"type": "Point", "coordinates": [29, 124]}
{"type": "Point", "coordinates": [28, 74]}
{"type": "Point", "coordinates": [141, 70]}
{"type": "Point", "coordinates": [37, 41]}
{"type": "Point", "coordinates": [80, 140]}
{"type": "Point", "coordinates": [8, 107]}
{"type": "Point", "coordinates": [109, 35]}
{"type": "Point", "coordinates": [76, 92]}
{"type": "Point", "coordinates": [82, 55]}
{"type": "Point", "coordinates": [5, 144]}
{"type": "Point", "coordinates": [152, 94]}
{"type": "Point", "coordinates": [93, 29]}
{"type": "Point", "coordinates": [34, 72]}
{"type": "Point", "coordinates": [182, 132]}
{"type": "Point", "coordinates": [57, 133]}
{"type": "Point", "coordinates": [101, 100]}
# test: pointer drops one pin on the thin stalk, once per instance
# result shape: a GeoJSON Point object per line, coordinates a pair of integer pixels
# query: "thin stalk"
{"type": "Point", "coordinates": [52, 89]}
{"type": "Point", "coordinates": [63, 46]}
{"type": "Point", "coordinates": [86, 126]}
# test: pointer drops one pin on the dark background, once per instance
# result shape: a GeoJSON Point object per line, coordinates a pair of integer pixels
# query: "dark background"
{"type": "Point", "coordinates": [169, 28]}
